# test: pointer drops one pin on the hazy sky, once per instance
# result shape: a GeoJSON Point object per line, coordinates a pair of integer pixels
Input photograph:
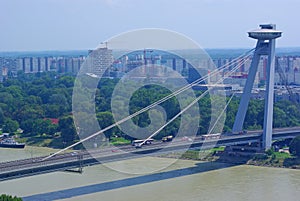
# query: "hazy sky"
{"type": "Point", "coordinates": [83, 24]}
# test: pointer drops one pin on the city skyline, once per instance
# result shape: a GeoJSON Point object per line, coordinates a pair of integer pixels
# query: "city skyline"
{"type": "Point", "coordinates": [75, 25]}
{"type": "Point", "coordinates": [290, 65]}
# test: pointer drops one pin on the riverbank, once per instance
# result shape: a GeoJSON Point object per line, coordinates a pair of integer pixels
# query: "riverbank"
{"type": "Point", "coordinates": [184, 180]}
{"type": "Point", "coordinates": [9, 154]}
{"type": "Point", "coordinates": [196, 180]}
{"type": "Point", "coordinates": [272, 159]}
{"type": "Point", "coordinates": [275, 160]}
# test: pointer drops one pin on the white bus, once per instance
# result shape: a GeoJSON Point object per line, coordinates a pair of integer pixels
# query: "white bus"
{"type": "Point", "coordinates": [211, 136]}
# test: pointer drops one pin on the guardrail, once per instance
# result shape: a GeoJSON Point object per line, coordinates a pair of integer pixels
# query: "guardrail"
{"type": "Point", "coordinates": [35, 166]}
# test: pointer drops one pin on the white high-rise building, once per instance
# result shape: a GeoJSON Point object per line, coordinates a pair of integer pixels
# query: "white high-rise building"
{"type": "Point", "coordinates": [99, 61]}
{"type": "Point", "coordinates": [35, 65]}
{"type": "Point", "coordinates": [19, 64]}
{"type": "Point", "coordinates": [42, 64]}
{"type": "Point", "coordinates": [27, 65]}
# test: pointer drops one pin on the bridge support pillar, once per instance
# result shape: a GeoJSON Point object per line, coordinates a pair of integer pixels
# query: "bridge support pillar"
{"type": "Point", "coordinates": [265, 46]}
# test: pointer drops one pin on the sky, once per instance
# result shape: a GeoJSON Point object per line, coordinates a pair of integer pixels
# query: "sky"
{"type": "Point", "coordinates": [34, 25]}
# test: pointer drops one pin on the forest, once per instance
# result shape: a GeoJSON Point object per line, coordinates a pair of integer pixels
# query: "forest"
{"type": "Point", "coordinates": [38, 109]}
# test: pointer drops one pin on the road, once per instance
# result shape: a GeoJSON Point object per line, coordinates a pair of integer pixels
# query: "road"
{"type": "Point", "coordinates": [37, 165]}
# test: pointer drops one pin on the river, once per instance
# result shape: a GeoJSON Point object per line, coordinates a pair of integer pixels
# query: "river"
{"type": "Point", "coordinates": [184, 180]}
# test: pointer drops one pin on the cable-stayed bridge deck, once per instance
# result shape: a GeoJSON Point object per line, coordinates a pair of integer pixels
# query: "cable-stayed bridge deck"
{"type": "Point", "coordinates": [34, 166]}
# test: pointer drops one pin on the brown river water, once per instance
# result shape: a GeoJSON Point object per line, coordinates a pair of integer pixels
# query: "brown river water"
{"type": "Point", "coordinates": [183, 180]}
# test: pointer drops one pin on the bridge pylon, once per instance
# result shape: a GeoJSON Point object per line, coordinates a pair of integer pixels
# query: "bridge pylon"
{"type": "Point", "coordinates": [266, 36]}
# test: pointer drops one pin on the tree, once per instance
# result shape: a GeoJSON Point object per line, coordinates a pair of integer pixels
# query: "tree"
{"type": "Point", "coordinates": [10, 126]}
{"type": "Point", "coordinates": [4, 197]}
{"type": "Point", "coordinates": [1, 117]}
{"type": "Point", "coordinates": [29, 112]}
{"type": "Point", "coordinates": [68, 130]}
{"type": "Point", "coordinates": [61, 101]}
{"type": "Point", "coordinates": [58, 99]}
{"type": "Point", "coordinates": [106, 119]}
{"type": "Point", "coordinates": [295, 146]}
{"type": "Point", "coordinates": [28, 127]}
{"type": "Point", "coordinates": [280, 119]}
{"type": "Point", "coordinates": [38, 126]}
{"type": "Point", "coordinates": [67, 81]}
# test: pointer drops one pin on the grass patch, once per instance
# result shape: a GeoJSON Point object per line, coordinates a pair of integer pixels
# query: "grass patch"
{"type": "Point", "coordinates": [222, 148]}
{"type": "Point", "coordinates": [274, 159]}
{"type": "Point", "coordinates": [191, 154]}
{"type": "Point", "coordinates": [119, 141]}
{"type": "Point", "coordinates": [198, 155]}
{"type": "Point", "coordinates": [280, 155]}
{"type": "Point", "coordinates": [39, 141]}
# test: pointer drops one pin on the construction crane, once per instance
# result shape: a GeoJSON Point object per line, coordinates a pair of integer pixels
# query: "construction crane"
{"type": "Point", "coordinates": [105, 43]}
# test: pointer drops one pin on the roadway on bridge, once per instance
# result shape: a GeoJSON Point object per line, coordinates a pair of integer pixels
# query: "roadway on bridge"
{"type": "Point", "coordinates": [33, 166]}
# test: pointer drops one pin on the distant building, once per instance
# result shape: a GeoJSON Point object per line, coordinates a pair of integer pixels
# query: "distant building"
{"type": "Point", "coordinates": [43, 64]}
{"type": "Point", "coordinates": [100, 61]}
{"type": "Point", "coordinates": [27, 65]}
{"type": "Point", "coordinates": [1, 66]}
{"type": "Point", "coordinates": [35, 65]}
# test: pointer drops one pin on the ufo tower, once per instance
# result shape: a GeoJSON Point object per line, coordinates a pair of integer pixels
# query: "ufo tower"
{"type": "Point", "coordinates": [265, 37]}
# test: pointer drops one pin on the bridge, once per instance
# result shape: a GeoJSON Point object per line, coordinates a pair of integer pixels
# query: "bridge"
{"type": "Point", "coordinates": [61, 161]}
{"type": "Point", "coordinates": [66, 161]}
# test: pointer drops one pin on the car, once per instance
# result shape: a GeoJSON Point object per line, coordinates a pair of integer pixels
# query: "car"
{"type": "Point", "coordinates": [186, 138]}
{"type": "Point", "coordinates": [167, 138]}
